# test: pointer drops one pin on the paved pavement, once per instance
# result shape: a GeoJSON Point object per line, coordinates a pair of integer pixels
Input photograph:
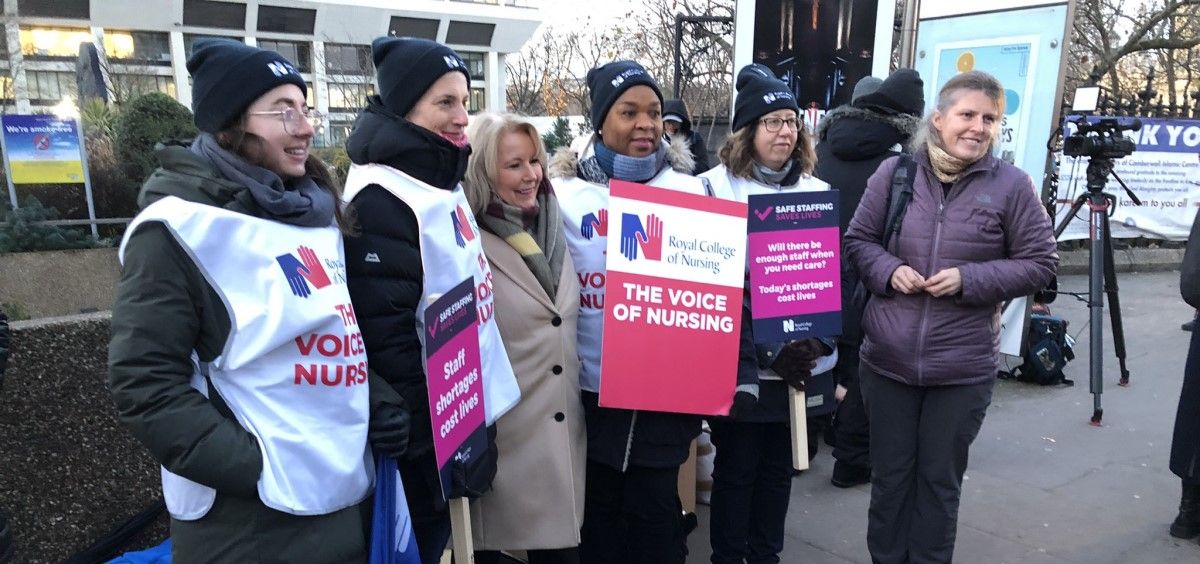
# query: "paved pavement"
{"type": "Point", "coordinates": [1043, 486]}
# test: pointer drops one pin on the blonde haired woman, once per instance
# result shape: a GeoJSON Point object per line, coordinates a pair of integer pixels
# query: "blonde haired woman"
{"type": "Point", "coordinates": [973, 236]}
{"type": "Point", "coordinates": [536, 502]}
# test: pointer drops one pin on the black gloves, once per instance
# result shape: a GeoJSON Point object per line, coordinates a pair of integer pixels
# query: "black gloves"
{"type": "Point", "coordinates": [743, 404]}
{"type": "Point", "coordinates": [795, 361]}
{"type": "Point", "coordinates": [474, 478]}
{"type": "Point", "coordinates": [388, 429]}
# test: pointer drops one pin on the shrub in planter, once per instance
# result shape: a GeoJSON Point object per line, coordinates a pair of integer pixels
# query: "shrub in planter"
{"type": "Point", "coordinates": [143, 123]}
{"type": "Point", "coordinates": [21, 230]}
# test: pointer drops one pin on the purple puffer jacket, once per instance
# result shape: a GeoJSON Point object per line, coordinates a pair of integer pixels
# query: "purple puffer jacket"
{"type": "Point", "coordinates": [991, 227]}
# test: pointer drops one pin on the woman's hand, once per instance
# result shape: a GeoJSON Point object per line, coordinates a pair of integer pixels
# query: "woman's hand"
{"type": "Point", "coordinates": [907, 281]}
{"type": "Point", "coordinates": [945, 283]}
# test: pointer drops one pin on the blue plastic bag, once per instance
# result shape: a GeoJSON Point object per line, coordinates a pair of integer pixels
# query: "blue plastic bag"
{"type": "Point", "coordinates": [160, 554]}
{"type": "Point", "coordinates": [392, 540]}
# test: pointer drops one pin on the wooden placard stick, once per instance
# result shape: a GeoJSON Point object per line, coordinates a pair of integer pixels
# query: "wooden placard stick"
{"type": "Point", "coordinates": [460, 528]}
{"type": "Point", "coordinates": [799, 412]}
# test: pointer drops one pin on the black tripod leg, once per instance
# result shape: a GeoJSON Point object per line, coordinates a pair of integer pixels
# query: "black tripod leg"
{"type": "Point", "coordinates": [1114, 305]}
{"type": "Point", "coordinates": [1098, 221]}
{"type": "Point", "coordinates": [1075, 207]}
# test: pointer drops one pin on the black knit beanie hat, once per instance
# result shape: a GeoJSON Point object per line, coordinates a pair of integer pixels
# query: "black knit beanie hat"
{"type": "Point", "coordinates": [228, 76]}
{"type": "Point", "coordinates": [607, 82]}
{"type": "Point", "coordinates": [407, 66]}
{"type": "Point", "coordinates": [903, 92]}
{"type": "Point", "coordinates": [759, 93]}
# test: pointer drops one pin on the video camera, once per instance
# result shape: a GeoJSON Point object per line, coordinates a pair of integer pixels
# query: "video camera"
{"type": "Point", "coordinates": [1101, 139]}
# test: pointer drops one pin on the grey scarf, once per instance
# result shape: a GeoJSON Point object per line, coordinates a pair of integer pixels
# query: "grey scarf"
{"type": "Point", "coordinates": [765, 175]}
{"type": "Point", "coordinates": [300, 202]}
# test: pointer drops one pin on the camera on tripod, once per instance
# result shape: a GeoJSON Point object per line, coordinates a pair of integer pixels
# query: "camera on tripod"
{"type": "Point", "coordinates": [1101, 139]}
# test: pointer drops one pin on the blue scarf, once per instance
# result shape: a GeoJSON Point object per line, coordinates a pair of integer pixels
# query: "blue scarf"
{"type": "Point", "coordinates": [608, 164]}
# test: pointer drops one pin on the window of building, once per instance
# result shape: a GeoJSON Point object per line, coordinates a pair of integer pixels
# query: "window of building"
{"type": "Point", "coordinates": [210, 13]}
{"type": "Point", "coordinates": [349, 96]}
{"type": "Point", "coordinates": [143, 47]}
{"type": "Point", "coordinates": [127, 86]}
{"type": "Point", "coordinates": [47, 88]}
{"type": "Point", "coordinates": [470, 33]}
{"type": "Point", "coordinates": [341, 58]}
{"type": "Point", "coordinates": [413, 27]}
{"type": "Point", "coordinates": [339, 132]}
{"type": "Point", "coordinates": [7, 93]}
{"type": "Point", "coordinates": [476, 64]}
{"type": "Point", "coordinates": [189, 39]}
{"type": "Point", "coordinates": [477, 101]}
{"type": "Point", "coordinates": [299, 53]}
{"type": "Point", "coordinates": [52, 43]}
{"type": "Point", "coordinates": [286, 20]}
{"type": "Point", "coordinates": [77, 9]}
{"type": "Point", "coordinates": [310, 93]}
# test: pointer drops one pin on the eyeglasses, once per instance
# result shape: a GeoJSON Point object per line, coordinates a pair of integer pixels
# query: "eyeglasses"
{"type": "Point", "coordinates": [774, 124]}
{"type": "Point", "coordinates": [291, 118]}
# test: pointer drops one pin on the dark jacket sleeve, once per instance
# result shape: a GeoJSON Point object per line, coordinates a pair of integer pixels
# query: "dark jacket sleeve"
{"type": "Point", "coordinates": [384, 276]}
{"type": "Point", "coordinates": [1030, 248]}
{"type": "Point", "coordinates": [699, 153]}
{"type": "Point", "coordinates": [873, 263]}
{"type": "Point", "coordinates": [164, 310]}
{"type": "Point", "coordinates": [747, 366]}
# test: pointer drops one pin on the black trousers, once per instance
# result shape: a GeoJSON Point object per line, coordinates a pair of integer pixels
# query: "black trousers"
{"type": "Point", "coordinates": [430, 514]}
{"type": "Point", "coordinates": [851, 431]}
{"type": "Point", "coordinates": [920, 438]}
{"type": "Point", "coordinates": [752, 484]}
{"type": "Point", "coordinates": [632, 517]}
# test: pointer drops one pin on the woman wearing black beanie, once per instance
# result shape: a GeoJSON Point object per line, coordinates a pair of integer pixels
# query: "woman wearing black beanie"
{"type": "Point", "coordinates": [232, 274]}
{"type": "Point", "coordinates": [631, 509]}
{"type": "Point", "coordinates": [768, 152]}
{"type": "Point", "coordinates": [418, 240]}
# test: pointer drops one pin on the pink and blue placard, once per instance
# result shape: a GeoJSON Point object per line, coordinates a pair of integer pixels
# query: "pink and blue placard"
{"type": "Point", "coordinates": [454, 377]}
{"type": "Point", "coordinates": [795, 265]}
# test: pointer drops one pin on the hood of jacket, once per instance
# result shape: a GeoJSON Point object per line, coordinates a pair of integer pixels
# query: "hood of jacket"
{"type": "Point", "coordinates": [565, 162]}
{"type": "Point", "coordinates": [679, 107]}
{"type": "Point", "coordinates": [855, 134]}
{"type": "Point", "coordinates": [381, 137]}
{"type": "Point", "coordinates": [187, 176]}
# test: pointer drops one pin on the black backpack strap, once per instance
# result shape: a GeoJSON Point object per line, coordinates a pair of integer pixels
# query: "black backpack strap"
{"type": "Point", "coordinates": [899, 196]}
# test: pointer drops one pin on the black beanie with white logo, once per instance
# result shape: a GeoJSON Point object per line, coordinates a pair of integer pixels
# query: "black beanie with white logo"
{"type": "Point", "coordinates": [407, 66]}
{"type": "Point", "coordinates": [759, 93]}
{"type": "Point", "coordinates": [228, 76]}
{"type": "Point", "coordinates": [607, 82]}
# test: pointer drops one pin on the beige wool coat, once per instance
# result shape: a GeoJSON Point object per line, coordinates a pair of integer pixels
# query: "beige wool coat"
{"type": "Point", "coordinates": [536, 500]}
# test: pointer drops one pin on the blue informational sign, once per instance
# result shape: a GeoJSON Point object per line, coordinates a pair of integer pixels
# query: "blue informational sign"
{"type": "Point", "coordinates": [42, 149]}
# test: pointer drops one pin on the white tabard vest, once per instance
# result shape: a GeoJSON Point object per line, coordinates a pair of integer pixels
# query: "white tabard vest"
{"type": "Point", "coordinates": [582, 204]}
{"type": "Point", "coordinates": [729, 187]}
{"type": "Point", "coordinates": [451, 251]}
{"type": "Point", "coordinates": [293, 370]}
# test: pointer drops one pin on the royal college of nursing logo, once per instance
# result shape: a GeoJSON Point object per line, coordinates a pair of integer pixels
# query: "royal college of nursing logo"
{"type": "Point", "coordinates": [594, 225]}
{"type": "Point", "coordinates": [771, 97]}
{"type": "Point", "coordinates": [303, 271]}
{"type": "Point", "coordinates": [635, 236]}
{"type": "Point", "coordinates": [462, 227]}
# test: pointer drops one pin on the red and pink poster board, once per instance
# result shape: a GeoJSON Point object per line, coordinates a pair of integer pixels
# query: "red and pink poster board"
{"type": "Point", "coordinates": [673, 300]}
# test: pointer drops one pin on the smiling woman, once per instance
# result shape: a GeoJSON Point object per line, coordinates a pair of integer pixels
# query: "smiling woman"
{"type": "Point", "coordinates": [632, 460]}
{"type": "Point", "coordinates": [242, 218]}
{"type": "Point", "coordinates": [973, 236]}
